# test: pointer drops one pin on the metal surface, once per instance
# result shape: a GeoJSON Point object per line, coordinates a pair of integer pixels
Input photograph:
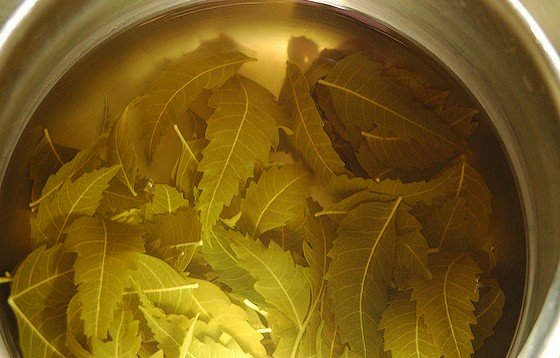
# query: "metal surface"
{"type": "Point", "coordinates": [494, 47]}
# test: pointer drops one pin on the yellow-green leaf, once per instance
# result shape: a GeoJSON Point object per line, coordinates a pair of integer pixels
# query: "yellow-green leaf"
{"type": "Point", "coordinates": [405, 333]}
{"type": "Point", "coordinates": [174, 238]}
{"type": "Point", "coordinates": [412, 248]}
{"type": "Point", "coordinates": [364, 98]}
{"type": "Point", "coordinates": [107, 253]}
{"type": "Point", "coordinates": [208, 66]}
{"type": "Point", "coordinates": [40, 293]}
{"type": "Point", "coordinates": [446, 226]}
{"type": "Point", "coordinates": [124, 342]}
{"type": "Point", "coordinates": [46, 159]}
{"type": "Point", "coordinates": [185, 172]}
{"type": "Point", "coordinates": [165, 200]}
{"type": "Point", "coordinates": [209, 348]}
{"type": "Point", "coordinates": [224, 261]}
{"type": "Point", "coordinates": [446, 302]}
{"type": "Point", "coordinates": [121, 152]}
{"type": "Point", "coordinates": [74, 199]}
{"type": "Point", "coordinates": [274, 199]}
{"type": "Point", "coordinates": [241, 132]}
{"type": "Point", "coordinates": [118, 198]}
{"type": "Point", "coordinates": [309, 137]}
{"type": "Point", "coordinates": [360, 272]}
{"type": "Point", "coordinates": [487, 310]}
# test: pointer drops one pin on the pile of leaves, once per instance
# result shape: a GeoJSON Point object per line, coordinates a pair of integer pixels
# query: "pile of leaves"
{"type": "Point", "coordinates": [342, 219]}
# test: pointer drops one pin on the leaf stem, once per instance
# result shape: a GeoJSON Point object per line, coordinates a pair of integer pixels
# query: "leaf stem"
{"type": "Point", "coordinates": [6, 280]}
{"type": "Point", "coordinates": [331, 212]}
{"type": "Point", "coordinates": [433, 250]}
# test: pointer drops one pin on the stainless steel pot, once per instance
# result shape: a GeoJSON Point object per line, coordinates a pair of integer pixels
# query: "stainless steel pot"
{"type": "Point", "coordinates": [494, 47]}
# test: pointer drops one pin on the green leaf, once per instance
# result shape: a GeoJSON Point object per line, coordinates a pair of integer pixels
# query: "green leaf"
{"type": "Point", "coordinates": [309, 137]}
{"type": "Point", "coordinates": [329, 335]}
{"type": "Point", "coordinates": [107, 253]}
{"type": "Point", "coordinates": [121, 152]}
{"type": "Point", "coordinates": [213, 304]}
{"type": "Point", "coordinates": [74, 199]}
{"type": "Point", "coordinates": [174, 238]}
{"type": "Point", "coordinates": [445, 301]}
{"type": "Point", "coordinates": [161, 284]}
{"type": "Point", "coordinates": [446, 226]}
{"type": "Point", "coordinates": [75, 339]}
{"type": "Point", "coordinates": [407, 154]}
{"type": "Point", "coordinates": [125, 341]}
{"type": "Point", "coordinates": [174, 333]}
{"type": "Point", "coordinates": [40, 293]}
{"type": "Point", "coordinates": [405, 333]}
{"type": "Point", "coordinates": [46, 159]}
{"type": "Point", "coordinates": [487, 310]}
{"type": "Point", "coordinates": [412, 248]}
{"type": "Point", "coordinates": [118, 198]}
{"type": "Point", "coordinates": [185, 173]}
{"type": "Point", "coordinates": [363, 97]}
{"type": "Point", "coordinates": [212, 349]}
{"type": "Point", "coordinates": [274, 199]}
{"type": "Point", "coordinates": [82, 162]}
{"type": "Point", "coordinates": [224, 261]}
{"type": "Point", "coordinates": [285, 286]}
{"type": "Point", "coordinates": [290, 236]}
{"type": "Point", "coordinates": [360, 271]}
{"type": "Point", "coordinates": [165, 200]}
{"type": "Point", "coordinates": [241, 132]}
{"type": "Point", "coordinates": [208, 66]}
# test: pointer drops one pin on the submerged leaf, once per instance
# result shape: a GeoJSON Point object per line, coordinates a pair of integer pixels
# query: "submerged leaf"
{"type": "Point", "coordinates": [446, 226]}
{"type": "Point", "coordinates": [446, 302]}
{"type": "Point", "coordinates": [74, 199]}
{"type": "Point", "coordinates": [224, 261]}
{"type": "Point", "coordinates": [46, 159]}
{"type": "Point", "coordinates": [412, 248]}
{"type": "Point", "coordinates": [363, 97]}
{"type": "Point", "coordinates": [309, 137]}
{"type": "Point", "coordinates": [487, 310]}
{"type": "Point", "coordinates": [125, 341]}
{"type": "Point", "coordinates": [241, 133]}
{"type": "Point", "coordinates": [405, 332]}
{"type": "Point", "coordinates": [209, 66]}
{"type": "Point", "coordinates": [274, 199]}
{"type": "Point", "coordinates": [165, 200]}
{"type": "Point", "coordinates": [83, 161]}
{"type": "Point", "coordinates": [174, 238]}
{"type": "Point", "coordinates": [40, 293]}
{"type": "Point", "coordinates": [360, 272]}
{"type": "Point", "coordinates": [121, 152]}
{"type": "Point", "coordinates": [107, 253]}
{"type": "Point", "coordinates": [118, 198]}
{"type": "Point", "coordinates": [185, 172]}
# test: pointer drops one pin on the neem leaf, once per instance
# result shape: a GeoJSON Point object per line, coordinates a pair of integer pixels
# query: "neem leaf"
{"type": "Point", "coordinates": [46, 159]}
{"type": "Point", "coordinates": [209, 348]}
{"type": "Point", "coordinates": [107, 253]}
{"type": "Point", "coordinates": [224, 261]}
{"type": "Point", "coordinates": [360, 272]}
{"type": "Point", "coordinates": [41, 290]}
{"type": "Point", "coordinates": [407, 154]}
{"type": "Point", "coordinates": [165, 200]}
{"type": "Point", "coordinates": [405, 332]}
{"type": "Point", "coordinates": [174, 238]}
{"type": "Point", "coordinates": [125, 341]}
{"type": "Point", "coordinates": [446, 226]}
{"type": "Point", "coordinates": [411, 248]}
{"type": "Point", "coordinates": [118, 198]}
{"type": "Point", "coordinates": [185, 172]}
{"type": "Point", "coordinates": [309, 137]}
{"type": "Point", "coordinates": [121, 152]}
{"type": "Point", "coordinates": [446, 302]}
{"type": "Point", "coordinates": [274, 199]}
{"type": "Point", "coordinates": [161, 284]}
{"type": "Point", "coordinates": [283, 284]}
{"type": "Point", "coordinates": [241, 132]}
{"type": "Point", "coordinates": [213, 304]}
{"type": "Point", "coordinates": [330, 341]}
{"type": "Point", "coordinates": [487, 310]}
{"type": "Point", "coordinates": [81, 162]}
{"type": "Point", "coordinates": [363, 97]}
{"type": "Point", "coordinates": [74, 199]}
{"type": "Point", "coordinates": [208, 66]}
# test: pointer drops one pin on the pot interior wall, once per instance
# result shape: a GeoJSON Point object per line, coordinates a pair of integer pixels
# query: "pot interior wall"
{"type": "Point", "coordinates": [118, 70]}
